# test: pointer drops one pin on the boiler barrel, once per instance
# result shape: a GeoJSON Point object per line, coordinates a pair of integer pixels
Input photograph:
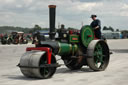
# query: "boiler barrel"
{"type": "Point", "coordinates": [67, 49]}
{"type": "Point", "coordinates": [60, 48]}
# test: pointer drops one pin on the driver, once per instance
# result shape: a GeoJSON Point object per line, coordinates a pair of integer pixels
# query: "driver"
{"type": "Point", "coordinates": [96, 25]}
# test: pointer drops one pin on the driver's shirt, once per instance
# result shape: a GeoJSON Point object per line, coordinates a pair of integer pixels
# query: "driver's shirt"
{"type": "Point", "coordinates": [97, 31]}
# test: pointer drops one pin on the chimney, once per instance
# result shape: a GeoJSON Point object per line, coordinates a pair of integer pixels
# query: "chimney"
{"type": "Point", "coordinates": [52, 15]}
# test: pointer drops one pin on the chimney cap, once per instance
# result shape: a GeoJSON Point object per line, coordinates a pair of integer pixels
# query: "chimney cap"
{"type": "Point", "coordinates": [52, 6]}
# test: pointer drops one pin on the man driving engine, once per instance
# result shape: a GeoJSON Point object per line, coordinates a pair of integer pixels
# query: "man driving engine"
{"type": "Point", "coordinates": [96, 25]}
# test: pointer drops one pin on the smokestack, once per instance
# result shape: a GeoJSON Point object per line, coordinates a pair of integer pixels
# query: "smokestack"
{"type": "Point", "coordinates": [52, 15]}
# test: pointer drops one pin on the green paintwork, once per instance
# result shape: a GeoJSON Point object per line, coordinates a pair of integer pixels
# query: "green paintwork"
{"type": "Point", "coordinates": [98, 54]}
{"type": "Point", "coordinates": [73, 38]}
{"type": "Point", "coordinates": [66, 49]}
{"type": "Point", "coordinates": [87, 35]}
{"type": "Point", "coordinates": [74, 49]}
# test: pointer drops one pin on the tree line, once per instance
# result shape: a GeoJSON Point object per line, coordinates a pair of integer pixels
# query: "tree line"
{"type": "Point", "coordinates": [9, 29]}
{"type": "Point", "coordinates": [110, 29]}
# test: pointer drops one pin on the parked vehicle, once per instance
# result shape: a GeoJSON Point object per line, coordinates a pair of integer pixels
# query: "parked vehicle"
{"type": "Point", "coordinates": [111, 35]}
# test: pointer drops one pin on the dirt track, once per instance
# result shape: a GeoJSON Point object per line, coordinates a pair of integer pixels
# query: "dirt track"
{"type": "Point", "coordinates": [115, 74]}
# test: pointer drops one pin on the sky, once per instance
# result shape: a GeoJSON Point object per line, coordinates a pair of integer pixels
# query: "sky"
{"type": "Point", "coordinates": [27, 13]}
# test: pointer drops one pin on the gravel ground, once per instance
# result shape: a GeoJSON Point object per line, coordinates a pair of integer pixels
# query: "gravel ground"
{"type": "Point", "coordinates": [115, 74]}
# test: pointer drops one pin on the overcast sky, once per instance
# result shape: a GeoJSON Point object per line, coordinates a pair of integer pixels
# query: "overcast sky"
{"type": "Point", "coordinates": [27, 13]}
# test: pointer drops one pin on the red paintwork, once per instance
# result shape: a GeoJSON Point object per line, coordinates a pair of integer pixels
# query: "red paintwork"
{"type": "Point", "coordinates": [74, 38]}
{"type": "Point", "coordinates": [89, 35]}
{"type": "Point", "coordinates": [48, 51]}
{"type": "Point", "coordinates": [70, 32]}
{"type": "Point", "coordinates": [95, 37]}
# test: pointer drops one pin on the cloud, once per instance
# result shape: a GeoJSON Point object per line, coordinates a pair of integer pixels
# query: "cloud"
{"type": "Point", "coordinates": [88, 0]}
{"type": "Point", "coordinates": [9, 1]}
{"type": "Point", "coordinates": [26, 13]}
{"type": "Point", "coordinates": [124, 7]}
{"type": "Point", "coordinates": [88, 6]}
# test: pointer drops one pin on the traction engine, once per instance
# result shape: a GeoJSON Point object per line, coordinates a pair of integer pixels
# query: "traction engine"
{"type": "Point", "coordinates": [76, 49]}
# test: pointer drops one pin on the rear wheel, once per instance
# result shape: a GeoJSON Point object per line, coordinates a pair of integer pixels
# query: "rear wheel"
{"type": "Point", "coordinates": [98, 55]}
{"type": "Point", "coordinates": [74, 62]}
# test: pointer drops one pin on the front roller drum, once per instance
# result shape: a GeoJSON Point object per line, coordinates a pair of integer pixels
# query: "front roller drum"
{"type": "Point", "coordinates": [32, 62]}
{"type": "Point", "coordinates": [98, 55]}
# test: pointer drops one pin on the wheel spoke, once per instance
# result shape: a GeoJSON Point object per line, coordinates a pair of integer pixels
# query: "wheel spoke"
{"type": "Point", "coordinates": [99, 55]}
{"type": "Point", "coordinates": [96, 61]}
{"type": "Point", "coordinates": [95, 53]}
{"type": "Point", "coordinates": [46, 70]}
{"type": "Point", "coordinates": [99, 48]}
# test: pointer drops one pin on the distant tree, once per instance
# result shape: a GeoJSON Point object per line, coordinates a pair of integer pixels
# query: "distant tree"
{"type": "Point", "coordinates": [117, 30]}
{"type": "Point", "coordinates": [105, 28]}
{"type": "Point", "coordinates": [9, 29]}
{"type": "Point", "coordinates": [71, 28]}
{"type": "Point", "coordinates": [110, 28]}
{"type": "Point", "coordinates": [36, 28]}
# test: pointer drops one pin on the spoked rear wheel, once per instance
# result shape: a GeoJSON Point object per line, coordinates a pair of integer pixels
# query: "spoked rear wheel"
{"type": "Point", "coordinates": [98, 55]}
{"type": "Point", "coordinates": [74, 63]}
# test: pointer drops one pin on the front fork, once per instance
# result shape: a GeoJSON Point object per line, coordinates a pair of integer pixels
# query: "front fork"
{"type": "Point", "coordinates": [46, 49]}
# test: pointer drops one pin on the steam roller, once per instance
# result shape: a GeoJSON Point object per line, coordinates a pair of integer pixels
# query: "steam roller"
{"type": "Point", "coordinates": [77, 48]}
